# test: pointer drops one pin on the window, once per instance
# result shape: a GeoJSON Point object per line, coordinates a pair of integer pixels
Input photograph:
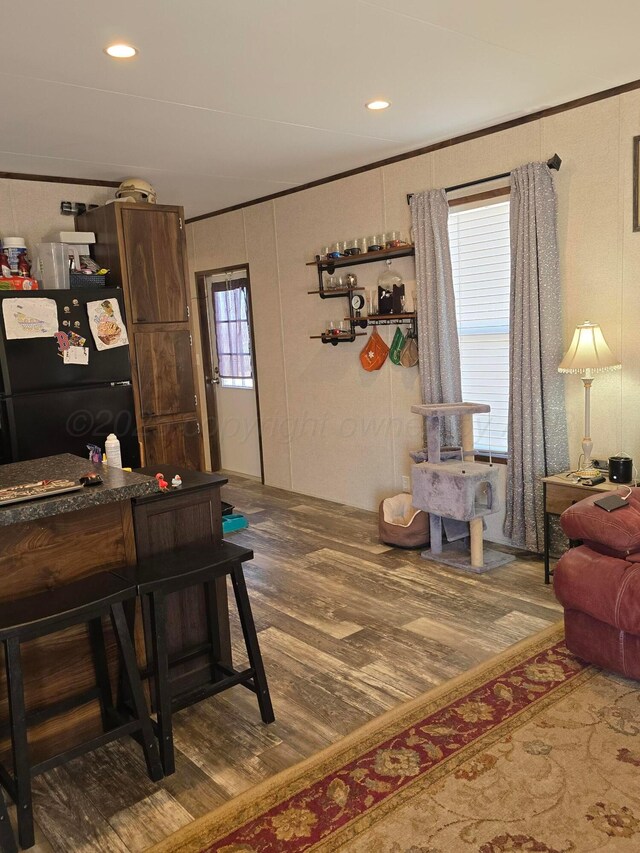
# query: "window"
{"type": "Point", "coordinates": [480, 257]}
{"type": "Point", "coordinates": [233, 337]}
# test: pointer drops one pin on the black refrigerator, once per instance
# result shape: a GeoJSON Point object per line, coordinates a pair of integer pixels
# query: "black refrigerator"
{"type": "Point", "coordinates": [49, 407]}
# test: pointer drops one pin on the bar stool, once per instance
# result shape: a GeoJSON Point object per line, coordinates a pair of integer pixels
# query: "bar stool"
{"type": "Point", "coordinates": [166, 573]}
{"type": "Point", "coordinates": [83, 601]}
{"type": "Point", "coordinates": [7, 840]}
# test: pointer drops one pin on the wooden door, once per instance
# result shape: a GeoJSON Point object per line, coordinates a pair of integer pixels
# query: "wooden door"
{"type": "Point", "coordinates": [165, 374]}
{"type": "Point", "coordinates": [176, 442]}
{"type": "Point", "coordinates": [153, 241]}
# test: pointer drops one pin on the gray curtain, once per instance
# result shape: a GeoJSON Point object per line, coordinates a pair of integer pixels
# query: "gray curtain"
{"type": "Point", "coordinates": [438, 346]}
{"type": "Point", "coordinates": [538, 443]}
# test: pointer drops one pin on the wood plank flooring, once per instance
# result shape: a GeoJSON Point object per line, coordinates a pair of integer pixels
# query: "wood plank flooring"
{"type": "Point", "coordinates": [348, 628]}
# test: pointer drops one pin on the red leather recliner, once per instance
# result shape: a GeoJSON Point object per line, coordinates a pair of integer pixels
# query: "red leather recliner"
{"type": "Point", "coordinates": [598, 583]}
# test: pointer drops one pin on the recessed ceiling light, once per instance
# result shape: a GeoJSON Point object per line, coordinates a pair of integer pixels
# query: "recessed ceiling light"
{"type": "Point", "coordinates": [120, 51]}
{"type": "Point", "coordinates": [377, 105]}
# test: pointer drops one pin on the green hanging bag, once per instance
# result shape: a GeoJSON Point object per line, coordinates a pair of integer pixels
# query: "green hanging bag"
{"type": "Point", "coordinates": [397, 346]}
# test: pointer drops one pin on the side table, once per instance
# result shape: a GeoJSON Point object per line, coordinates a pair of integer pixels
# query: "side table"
{"type": "Point", "coordinates": [560, 492]}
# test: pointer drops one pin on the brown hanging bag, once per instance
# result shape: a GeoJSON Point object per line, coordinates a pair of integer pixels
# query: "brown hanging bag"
{"type": "Point", "coordinates": [409, 354]}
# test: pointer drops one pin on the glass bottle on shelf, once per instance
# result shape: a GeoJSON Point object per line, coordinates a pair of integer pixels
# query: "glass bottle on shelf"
{"type": "Point", "coordinates": [388, 278]}
{"type": "Point", "coordinates": [388, 281]}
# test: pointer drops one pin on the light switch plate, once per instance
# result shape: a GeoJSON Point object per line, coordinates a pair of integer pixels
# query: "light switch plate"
{"type": "Point", "coordinates": [406, 484]}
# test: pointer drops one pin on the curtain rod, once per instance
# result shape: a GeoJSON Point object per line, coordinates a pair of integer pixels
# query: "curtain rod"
{"type": "Point", "coordinates": [553, 163]}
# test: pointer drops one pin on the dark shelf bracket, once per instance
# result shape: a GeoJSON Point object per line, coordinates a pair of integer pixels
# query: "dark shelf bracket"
{"type": "Point", "coordinates": [381, 320]}
{"type": "Point", "coordinates": [334, 340]}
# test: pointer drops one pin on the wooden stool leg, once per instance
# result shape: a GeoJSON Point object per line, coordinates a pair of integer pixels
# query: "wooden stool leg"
{"type": "Point", "coordinates": [19, 744]}
{"type": "Point", "coordinates": [161, 681]}
{"type": "Point", "coordinates": [101, 669]}
{"type": "Point", "coordinates": [212, 629]}
{"type": "Point", "coordinates": [123, 695]}
{"type": "Point", "coordinates": [149, 745]}
{"type": "Point", "coordinates": [251, 642]}
{"type": "Point", "coordinates": [7, 840]}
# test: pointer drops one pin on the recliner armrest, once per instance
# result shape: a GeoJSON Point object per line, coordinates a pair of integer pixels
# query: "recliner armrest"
{"type": "Point", "coordinates": [617, 531]}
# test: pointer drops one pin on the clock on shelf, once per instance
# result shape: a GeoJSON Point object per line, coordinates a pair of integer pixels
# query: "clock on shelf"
{"type": "Point", "coordinates": [357, 303]}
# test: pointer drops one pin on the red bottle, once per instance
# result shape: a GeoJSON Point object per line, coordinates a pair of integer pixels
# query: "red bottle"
{"type": "Point", "coordinates": [24, 267]}
{"type": "Point", "coordinates": [5, 269]}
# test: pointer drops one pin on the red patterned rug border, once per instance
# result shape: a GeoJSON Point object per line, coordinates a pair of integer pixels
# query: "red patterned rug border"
{"type": "Point", "coordinates": [363, 780]}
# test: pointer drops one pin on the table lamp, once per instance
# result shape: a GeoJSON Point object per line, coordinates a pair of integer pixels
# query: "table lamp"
{"type": "Point", "coordinates": [588, 354]}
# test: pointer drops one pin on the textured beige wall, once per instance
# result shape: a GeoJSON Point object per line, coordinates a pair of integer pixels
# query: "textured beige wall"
{"type": "Point", "coordinates": [347, 431]}
{"type": "Point", "coordinates": [31, 209]}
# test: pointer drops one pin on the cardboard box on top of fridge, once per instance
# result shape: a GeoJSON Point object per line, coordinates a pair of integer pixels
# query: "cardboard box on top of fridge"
{"type": "Point", "coordinates": [18, 282]}
{"type": "Point", "coordinates": [82, 238]}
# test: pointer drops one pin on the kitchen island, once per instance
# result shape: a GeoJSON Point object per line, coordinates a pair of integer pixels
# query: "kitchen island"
{"type": "Point", "coordinates": [51, 541]}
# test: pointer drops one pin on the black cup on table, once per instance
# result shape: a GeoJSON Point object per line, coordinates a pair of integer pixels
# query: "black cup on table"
{"type": "Point", "coordinates": [620, 469]}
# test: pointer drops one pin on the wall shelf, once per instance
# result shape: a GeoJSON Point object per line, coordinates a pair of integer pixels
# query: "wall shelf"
{"type": "Point", "coordinates": [376, 319]}
{"type": "Point", "coordinates": [386, 320]}
{"type": "Point", "coordinates": [342, 338]}
{"type": "Point", "coordinates": [329, 265]}
{"type": "Point", "coordinates": [332, 294]}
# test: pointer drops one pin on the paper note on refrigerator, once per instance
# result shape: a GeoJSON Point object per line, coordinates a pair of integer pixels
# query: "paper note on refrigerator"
{"type": "Point", "coordinates": [106, 324]}
{"type": "Point", "coordinates": [76, 355]}
{"type": "Point", "coordinates": [29, 318]}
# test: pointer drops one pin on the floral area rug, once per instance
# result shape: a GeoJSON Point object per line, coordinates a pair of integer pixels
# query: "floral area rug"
{"type": "Point", "coordinates": [534, 751]}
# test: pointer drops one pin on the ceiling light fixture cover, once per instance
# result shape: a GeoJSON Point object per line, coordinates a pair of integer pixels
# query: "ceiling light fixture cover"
{"type": "Point", "coordinates": [377, 105]}
{"type": "Point", "coordinates": [120, 51]}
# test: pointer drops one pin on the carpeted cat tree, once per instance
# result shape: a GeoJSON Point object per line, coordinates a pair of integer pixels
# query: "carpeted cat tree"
{"type": "Point", "coordinates": [459, 489]}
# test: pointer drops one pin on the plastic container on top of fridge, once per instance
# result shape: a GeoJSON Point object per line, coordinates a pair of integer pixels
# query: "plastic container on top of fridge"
{"type": "Point", "coordinates": [51, 266]}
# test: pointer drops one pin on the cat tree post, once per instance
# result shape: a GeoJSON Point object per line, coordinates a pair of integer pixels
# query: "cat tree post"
{"type": "Point", "coordinates": [477, 544]}
{"type": "Point", "coordinates": [475, 525]}
{"type": "Point", "coordinates": [467, 437]}
{"type": "Point", "coordinates": [433, 455]}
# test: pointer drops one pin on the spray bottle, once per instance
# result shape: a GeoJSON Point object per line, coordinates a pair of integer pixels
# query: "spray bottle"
{"type": "Point", "coordinates": [112, 448]}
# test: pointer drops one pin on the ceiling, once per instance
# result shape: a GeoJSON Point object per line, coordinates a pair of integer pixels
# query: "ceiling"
{"type": "Point", "coordinates": [229, 100]}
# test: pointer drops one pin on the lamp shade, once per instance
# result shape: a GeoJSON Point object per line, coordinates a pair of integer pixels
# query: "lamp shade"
{"type": "Point", "coordinates": [588, 351]}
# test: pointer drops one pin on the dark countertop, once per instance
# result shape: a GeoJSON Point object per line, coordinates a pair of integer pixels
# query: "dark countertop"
{"type": "Point", "coordinates": [191, 480]}
{"type": "Point", "coordinates": [118, 485]}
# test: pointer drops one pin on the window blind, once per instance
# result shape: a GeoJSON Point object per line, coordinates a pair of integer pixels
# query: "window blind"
{"type": "Point", "coordinates": [481, 261]}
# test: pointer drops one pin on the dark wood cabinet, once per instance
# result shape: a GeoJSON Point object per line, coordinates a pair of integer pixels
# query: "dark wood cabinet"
{"type": "Point", "coordinates": [155, 265]}
{"type": "Point", "coordinates": [178, 442]}
{"type": "Point", "coordinates": [165, 377]}
{"type": "Point", "coordinates": [143, 246]}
